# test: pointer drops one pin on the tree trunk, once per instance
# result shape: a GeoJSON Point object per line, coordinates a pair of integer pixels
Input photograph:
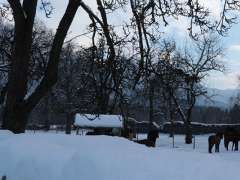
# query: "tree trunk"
{"type": "Point", "coordinates": [15, 112]}
{"type": "Point", "coordinates": [68, 123]}
{"type": "Point", "coordinates": [17, 106]}
{"type": "Point", "coordinates": [48, 113]}
{"type": "Point", "coordinates": [151, 94]}
{"type": "Point", "coordinates": [15, 118]}
{"type": "Point", "coordinates": [188, 133]}
{"type": "Point", "coordinates": [170, 116]}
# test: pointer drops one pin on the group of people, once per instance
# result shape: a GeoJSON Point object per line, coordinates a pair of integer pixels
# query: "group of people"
{"type": "Point", "coordinates": [230, 135]}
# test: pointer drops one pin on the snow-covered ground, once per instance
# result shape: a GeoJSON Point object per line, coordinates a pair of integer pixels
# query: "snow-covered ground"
{"type": "Point", "coordinates": [49, 156]}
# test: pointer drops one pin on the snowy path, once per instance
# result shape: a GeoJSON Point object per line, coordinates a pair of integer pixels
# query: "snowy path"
{"type": "Point", "coordinates": [60, 157]}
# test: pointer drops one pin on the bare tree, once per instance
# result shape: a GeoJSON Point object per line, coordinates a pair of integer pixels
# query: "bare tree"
{"type": "Point", "coordinates": [149, 16]}
{"type": "Point", "coordinates": [187, 71]}
{"type": "Point", "coordinates": [17, 105]}
{"type": "Point", "coordinates": [66, 96]}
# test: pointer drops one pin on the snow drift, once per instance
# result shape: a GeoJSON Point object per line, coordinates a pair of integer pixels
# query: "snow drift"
{"type": "Point", "coordinates": [60, 157]}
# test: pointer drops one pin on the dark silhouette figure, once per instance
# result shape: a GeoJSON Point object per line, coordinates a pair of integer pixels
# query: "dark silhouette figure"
{"type": "Point", "coordinates": [214, 140]}
{"type": "Point", "coordinates": [151, 139]}
{"type": "Point", "coordinates": [231, 135]}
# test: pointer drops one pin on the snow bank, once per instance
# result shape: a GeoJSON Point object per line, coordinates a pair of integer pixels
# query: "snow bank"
{"type": "Point", "coordinates": [4, 134]}
{"type": "Point", "coordinates": [62, 157]}
{"type": "Point", "coordinates": [90, 120]}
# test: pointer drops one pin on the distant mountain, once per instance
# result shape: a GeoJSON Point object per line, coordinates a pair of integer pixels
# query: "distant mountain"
{"type": "Point", "coordinates": [219, 98]}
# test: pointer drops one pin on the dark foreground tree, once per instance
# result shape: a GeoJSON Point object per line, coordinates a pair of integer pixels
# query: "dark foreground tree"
{"type": "Point", "coordinates": [17, 104]}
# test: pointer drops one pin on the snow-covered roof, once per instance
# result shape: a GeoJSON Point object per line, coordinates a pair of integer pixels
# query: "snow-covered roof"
{"type": "Point", "coordinates": [102, 120]}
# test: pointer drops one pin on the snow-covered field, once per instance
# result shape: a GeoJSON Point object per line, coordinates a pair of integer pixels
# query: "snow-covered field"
{"type": "Point", "coordinates": [49, 156]}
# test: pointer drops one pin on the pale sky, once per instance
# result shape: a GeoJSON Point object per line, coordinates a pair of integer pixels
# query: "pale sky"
{"type": "Point", "coordinates": [226, 80]}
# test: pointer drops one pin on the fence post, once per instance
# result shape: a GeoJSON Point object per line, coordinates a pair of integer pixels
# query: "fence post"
{"type": "Point", "coordinates": [173, 140]}
{"type": "Point", "coordinates": [194, 142]}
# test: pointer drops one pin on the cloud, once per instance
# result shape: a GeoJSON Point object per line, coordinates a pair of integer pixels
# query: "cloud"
{"type": "Point", "coordinates": [214, 6]}
{"type": "Point", "coordinates": [229, 79]}
{"type": "Point", "coordinates": [223, 80]}
{"type": "Point", "coordinates": [177, 28]}
{"type": "Point", "coordinates": [235, 47]}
